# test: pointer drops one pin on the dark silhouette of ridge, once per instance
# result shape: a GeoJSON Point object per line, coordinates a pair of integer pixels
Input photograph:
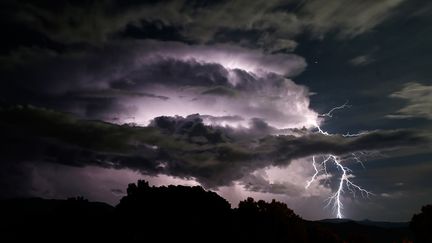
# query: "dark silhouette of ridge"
{"type": "Point", "coordinates": [74, 219]}
{"type": "Point", "coordinates": [187, 214]}
{"type": "Point", "coordinates": [382, 224]}
{"type": "Point", "coordinates": [358, 231]}
{"type": "Point", "coordinates": [388, 225]}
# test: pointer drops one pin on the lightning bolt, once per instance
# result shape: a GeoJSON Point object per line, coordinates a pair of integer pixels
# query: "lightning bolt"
{"type": "Point", "coordinates": [344, 179]}
{"type": "Point", "coordinates": [330, 113]}
{"type": "Point", "coordinates": [309, 182]}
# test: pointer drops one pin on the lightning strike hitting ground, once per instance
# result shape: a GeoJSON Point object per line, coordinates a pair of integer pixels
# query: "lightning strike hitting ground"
{"type": "Point", "coordinates": [344, 180]}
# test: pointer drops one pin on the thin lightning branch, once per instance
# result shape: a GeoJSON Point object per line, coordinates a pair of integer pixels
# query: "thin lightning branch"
{"type": "Point", "coordinates": [324, 166]}
{"type": "Point", "coordinates": [321, 131]}
{"type": "Point", "coordinates": [353, 134]}
{"type": "Point", "coordinates": [344, 180]}
{"type": "Point", "coordinates": [330, 113]}
{"type": "Point", "coordinates": [356, 158]}
{"type": "Point", "coordinates": [314, 176]}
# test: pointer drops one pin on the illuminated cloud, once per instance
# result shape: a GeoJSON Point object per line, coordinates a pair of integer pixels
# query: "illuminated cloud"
{"type": "Point", "coordinates": [137, 81]}
{"type": "Point", "coordinates": [419, 101]}
{"type": "Point", "coordinates": [361, 60]}
{"type": "Point", "coordinates": [349, 20]}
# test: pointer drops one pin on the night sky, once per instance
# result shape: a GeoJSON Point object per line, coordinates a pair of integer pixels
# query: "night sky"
{"type": "Point", "coordinates": [229, 95]}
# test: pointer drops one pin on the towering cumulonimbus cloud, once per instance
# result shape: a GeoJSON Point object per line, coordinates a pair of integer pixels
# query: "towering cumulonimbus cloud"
{"type": "Point", "coordinates": [137, 81]}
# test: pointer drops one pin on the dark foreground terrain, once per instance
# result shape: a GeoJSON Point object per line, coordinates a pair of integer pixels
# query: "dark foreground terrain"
{"type": "Point", "coordinates": [187, 214]}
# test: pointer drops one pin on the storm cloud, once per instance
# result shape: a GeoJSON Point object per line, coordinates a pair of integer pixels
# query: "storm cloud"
{"type": "Point", "coordinates": [270, 25]}
{"type": "Point", "coordinates": [137, 81]}
{"type": "Point", "coordinates": [176, 146]}
{"type": "Point", "coordinates": [226, 94]}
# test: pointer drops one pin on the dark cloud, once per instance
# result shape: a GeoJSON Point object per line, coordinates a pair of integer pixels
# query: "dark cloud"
{"type": "Point", "coordinates": [113, 93]}
{"type": "Point", "coordinates": [156, 29]}
{"type": "Point", "coordinates": [259, 182]}
{"type": "Point", "coordinates": [117, 191]}
{"type": "Point", "coordinates": [275, 23]}
{"type": "Point", "coordinates": [177, 146]}
{"type": "Point", "coordinates": [15, 179]}
{"type": "Point", "coordinates": [220, 91]}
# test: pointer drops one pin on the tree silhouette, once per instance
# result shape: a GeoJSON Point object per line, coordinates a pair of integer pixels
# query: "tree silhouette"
{"type": "Point", "coordinates": [421, 224]}
{"type": "Point", "coordinates": [187, 213]}
{"type": "Point", "coordinates": [269, 222]}
{"type": "Point", "coordinates": [180, 214]}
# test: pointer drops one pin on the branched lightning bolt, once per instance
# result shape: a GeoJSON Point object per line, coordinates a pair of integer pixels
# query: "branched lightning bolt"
{"type": "Point", "coordinates": [336, 196]}
{"type": "Point", "coordinates": [344, 180]}
{"type": "Point", "coordinates": [330, 113]}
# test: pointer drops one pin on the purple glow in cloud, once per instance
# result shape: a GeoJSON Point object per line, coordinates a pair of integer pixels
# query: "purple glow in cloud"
{"type": "Point", "coordinates": [219, 81]}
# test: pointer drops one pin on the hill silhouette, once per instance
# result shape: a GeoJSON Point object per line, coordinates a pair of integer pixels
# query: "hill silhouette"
{"type": "Point", "coordinates": [186, 214]}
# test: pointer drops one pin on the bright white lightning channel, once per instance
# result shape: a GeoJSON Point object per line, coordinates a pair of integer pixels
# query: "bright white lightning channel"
{"type": "Point", "coordinates": [344, 180]}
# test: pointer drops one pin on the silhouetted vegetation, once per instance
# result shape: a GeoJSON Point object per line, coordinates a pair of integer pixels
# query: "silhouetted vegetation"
{"type": "Point", "coordinates": [421, 224]}
{"type": "Point", "coordinates": [177, 213]}
{"type": "Point", "coordinates": [183, 214]}
{"type": "Point", "coordinates": [268, 222]}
